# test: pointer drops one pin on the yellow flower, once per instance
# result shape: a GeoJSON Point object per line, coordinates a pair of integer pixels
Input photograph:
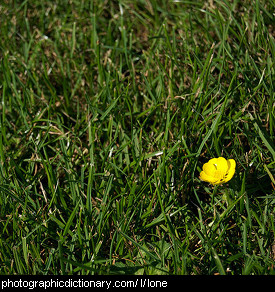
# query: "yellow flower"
{"type": "Point", "coordinates": [218, 170]}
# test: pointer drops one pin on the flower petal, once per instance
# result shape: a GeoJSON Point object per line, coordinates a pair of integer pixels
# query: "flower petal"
{"type": "Point", "coordinates": [232, 163]}
{"type": "Point", "coordinates": [208, 178]}
{"type": "Point", "coordinates": [209, 168]}
{"type": "Point", "coordinates": [213, 161]}
{"type": "Point", "coordinates": [231, 169]}
{"type": "Point", "coordinates": [222, 164]}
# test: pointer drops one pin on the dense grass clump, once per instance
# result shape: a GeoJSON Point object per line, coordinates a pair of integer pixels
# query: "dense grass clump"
{"type": "Point", "coordinates": [109, 110]}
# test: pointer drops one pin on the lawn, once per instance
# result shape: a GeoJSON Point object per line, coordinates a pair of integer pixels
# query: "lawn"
{"type": "Point", "coordinates": [109, 109]}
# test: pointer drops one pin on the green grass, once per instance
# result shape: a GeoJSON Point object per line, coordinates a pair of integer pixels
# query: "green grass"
{"type": "Point", "coordinates": [109, 110]}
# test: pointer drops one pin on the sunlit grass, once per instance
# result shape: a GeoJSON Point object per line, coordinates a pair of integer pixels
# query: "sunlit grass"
{"type": "Point", "coordinates": [109, 111]}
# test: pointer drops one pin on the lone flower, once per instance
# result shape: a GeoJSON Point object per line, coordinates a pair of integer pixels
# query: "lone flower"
{"type": "Point", "coordinates": [218, 170]}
